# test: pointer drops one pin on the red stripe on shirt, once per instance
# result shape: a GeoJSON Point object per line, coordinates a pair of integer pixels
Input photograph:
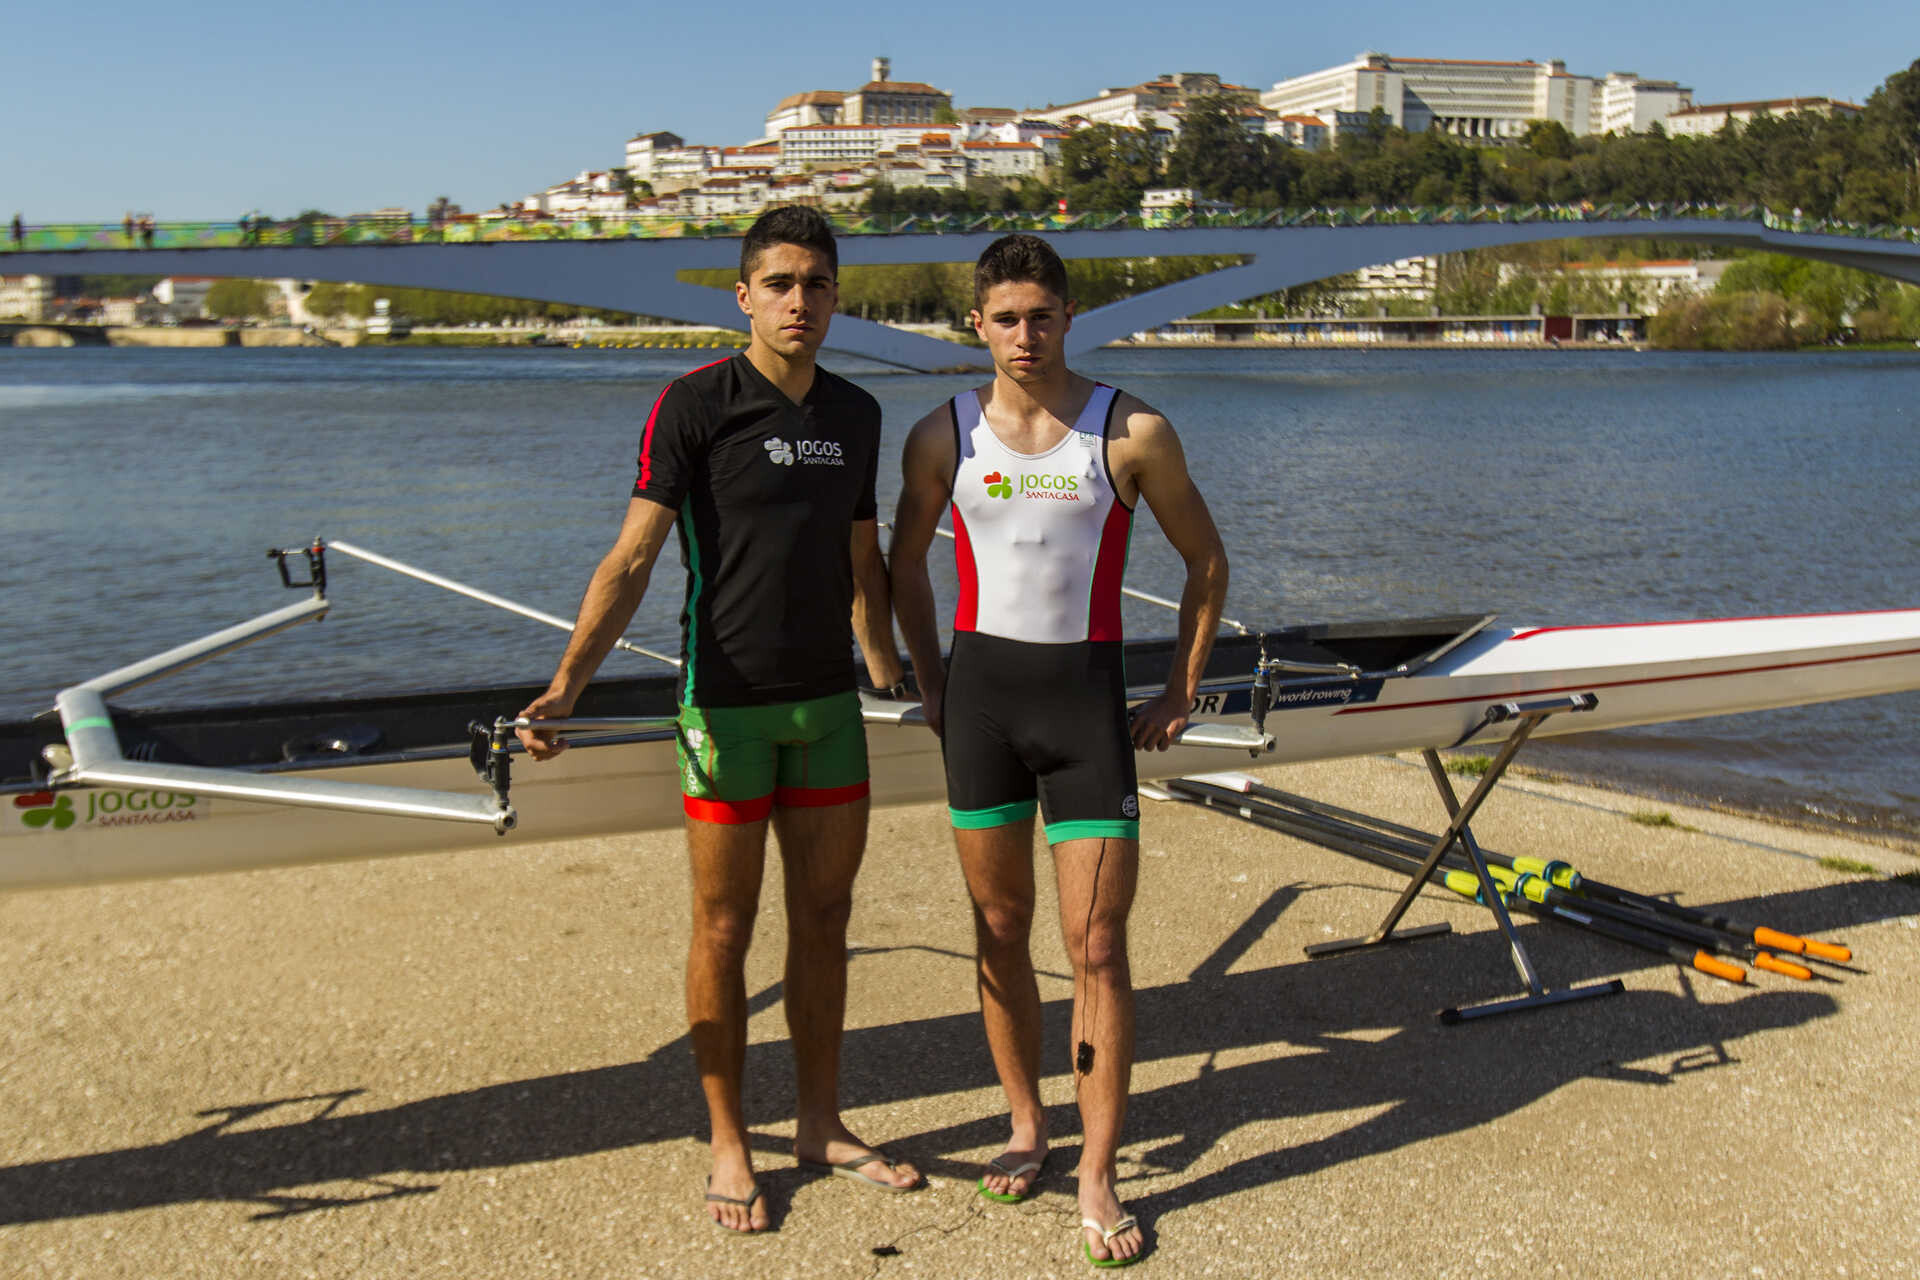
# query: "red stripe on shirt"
{"type": "Point", "coordinates": [653, 415]}
{"type": "Point", "coordinates": [966, 614]}
{"type": "Point", "coordinates": [1103, 611]}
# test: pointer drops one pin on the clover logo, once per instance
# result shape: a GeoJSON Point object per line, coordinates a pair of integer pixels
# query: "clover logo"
{"type": "Point", "coordinates": [998, 486]}
{"type": "Point", "coordinates": [779, 451]}
{"type": "Point", "coordinates": [43, 810]}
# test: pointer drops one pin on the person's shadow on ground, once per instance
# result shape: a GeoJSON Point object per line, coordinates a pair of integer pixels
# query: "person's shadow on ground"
{"type": "Point", "coordinates": [1359, 1033]}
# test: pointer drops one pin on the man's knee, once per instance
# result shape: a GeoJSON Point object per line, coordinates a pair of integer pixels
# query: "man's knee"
{"type": "Point", "coordinates": [820, 914]}
{"type": "Point", "coordinates": [1099, 945]}
{"type": "Point", "coordinates": [723, 929]}
{"type": "Point", "coordinates": [1003, 924]}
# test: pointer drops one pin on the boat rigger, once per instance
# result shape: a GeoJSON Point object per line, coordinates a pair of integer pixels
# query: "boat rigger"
{"type": "Point", "coordinates": [100, 790]}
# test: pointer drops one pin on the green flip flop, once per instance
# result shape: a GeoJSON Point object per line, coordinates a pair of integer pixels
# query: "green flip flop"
{"type": "Point", "coordinates": [998, 1165]}
{"type": "Point", "coordinates": [1106, 1237]}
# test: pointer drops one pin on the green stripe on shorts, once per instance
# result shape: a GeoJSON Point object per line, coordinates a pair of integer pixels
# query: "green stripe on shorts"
{"type": "Point", "coordinates": [1001, 815]}
{"type": "Point", "coordinates": [1093, 829]}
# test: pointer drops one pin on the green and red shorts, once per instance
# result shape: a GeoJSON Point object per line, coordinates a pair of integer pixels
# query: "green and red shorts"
{"type": "Point", "coordinates": [736, 763]}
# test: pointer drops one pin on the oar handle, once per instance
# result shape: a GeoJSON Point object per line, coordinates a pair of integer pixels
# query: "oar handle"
{"type": "Point", "coordinates": [1779, 941]}
{"type": "Point", "coordinates": [1707, 962]}
{"type": "Point", "coordinates": [1799, 946]}
{"type": "Point", "coordinates": [1828, 951]}
{"type": "Point", "coordinates": [1767, 960]}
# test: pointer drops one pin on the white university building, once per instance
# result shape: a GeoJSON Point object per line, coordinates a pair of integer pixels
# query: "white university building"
{"type": "Point", "coordinates": [1486, 101]}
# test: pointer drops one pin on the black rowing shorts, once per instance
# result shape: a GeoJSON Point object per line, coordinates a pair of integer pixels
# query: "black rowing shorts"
{"type": "Point", "coordinates": [1040, 720]}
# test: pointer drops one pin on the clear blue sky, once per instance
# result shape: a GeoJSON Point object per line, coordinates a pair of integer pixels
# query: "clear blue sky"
{"type": "Point", "coordinates": [211, 109]}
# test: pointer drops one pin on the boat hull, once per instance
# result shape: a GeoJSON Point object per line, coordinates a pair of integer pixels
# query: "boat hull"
{"type": "Point", "coordinates": [1641, 674]}
{"type": "Point", "coordinates": [1650, 673]}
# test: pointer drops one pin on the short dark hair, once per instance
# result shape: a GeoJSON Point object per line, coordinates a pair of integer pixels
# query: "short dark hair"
{"type": "Point", "coordinates": [1019, 258]}
{"type": "Point", "coordinates": [788, 224]}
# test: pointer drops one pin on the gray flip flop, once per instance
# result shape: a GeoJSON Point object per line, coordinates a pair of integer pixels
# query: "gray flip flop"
{"type": "Point", "coordinates": [851, 1169]}
{"type": "Point", "coordinates": [714, 1197]}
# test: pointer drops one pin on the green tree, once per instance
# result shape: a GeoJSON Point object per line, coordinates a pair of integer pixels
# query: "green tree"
{"type": "Point", "coordinates": [237, 299]}
{"type": "Point", "coordinates": [330, 300]}
{"type": "Point", "coordinates": [1106, 166]}
{"type": "Point", "coordinates": [1548, 139]}
{"type": "Point", "coordinates": [1890, 126]}
{"type": "Point", "coordinates": [1217, 156]}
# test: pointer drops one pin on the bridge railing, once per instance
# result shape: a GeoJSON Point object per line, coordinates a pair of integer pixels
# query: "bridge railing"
{"type": "Point", "coordinates": [491, 228]}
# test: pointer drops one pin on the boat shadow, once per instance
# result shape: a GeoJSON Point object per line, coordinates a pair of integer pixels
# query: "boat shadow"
{"type": "Point", "coordinates": [1355, 1033]}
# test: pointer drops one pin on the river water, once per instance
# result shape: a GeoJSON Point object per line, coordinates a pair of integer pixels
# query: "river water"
{"type": "Point", "coordinates": [141, 489]}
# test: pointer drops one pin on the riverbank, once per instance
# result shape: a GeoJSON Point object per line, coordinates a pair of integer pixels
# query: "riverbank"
{"type": "Point", "coordinates": [666, 337]}
{"type": "Point", "coordinates": [477, 1063]}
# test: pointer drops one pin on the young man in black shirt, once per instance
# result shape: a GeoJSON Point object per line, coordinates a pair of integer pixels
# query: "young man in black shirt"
{"type": "Point", "coordinates": [764, 464]}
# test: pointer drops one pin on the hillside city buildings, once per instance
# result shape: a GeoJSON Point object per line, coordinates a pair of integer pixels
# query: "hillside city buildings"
{"type": "Point", "coordinates": [832, 147]}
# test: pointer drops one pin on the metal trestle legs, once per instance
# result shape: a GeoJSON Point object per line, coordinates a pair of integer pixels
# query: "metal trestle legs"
{"type": "Point", "coordinates": [1458, 833]}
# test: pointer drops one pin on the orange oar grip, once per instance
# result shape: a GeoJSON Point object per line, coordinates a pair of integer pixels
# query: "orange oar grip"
{"type": "Point", "coordinates": [1763, 960]}
{"type": "Point", "coordinates": [1719, 968]}
{"type": "Point", "coordinates": [1779, 941]}
{"type": "Point", "coordinates": [1828, 951]}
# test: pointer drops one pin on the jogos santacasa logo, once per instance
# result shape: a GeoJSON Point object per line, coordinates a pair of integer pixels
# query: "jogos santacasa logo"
{"type": "Point", "coordinates": [1033, 484]}
{"type": "Point", "coordinates": [44, 810]}
{"type": "Point", "coordinates": [51, 811]}
{"type": "Point", "coordinates": [809, 453]}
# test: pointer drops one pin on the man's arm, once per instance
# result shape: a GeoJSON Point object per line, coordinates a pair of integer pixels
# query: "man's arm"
{"type": "Point", "coordinates": [611, 597]}
{"type": "Point", "coordinates": [1157, 465]}
{"type": "Point", "coordinates": [873, 607]}
{"type": "Point", "coordinates": [926, 472]}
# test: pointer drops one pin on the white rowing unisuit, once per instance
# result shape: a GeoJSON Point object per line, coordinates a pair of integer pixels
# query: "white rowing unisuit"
{"type": "Point", "coordinates": [1040, 539]}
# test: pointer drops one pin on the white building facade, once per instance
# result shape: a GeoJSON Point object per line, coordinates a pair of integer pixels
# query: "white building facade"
{"type": "Point", "coordinates": [1629, 104]}
{"type": "Point", "coordinates": [1713, 116]}
{"type": "Point", "coordinates": [643, 148]}
{"type": "Point", "coordinates": [1156, 104]}
{"type": "Point", "coordinates": [25, 297]}
{"type": "Point", "coordinates": [1486, 101]}
{"type": "Point", "coordinates": [830, 145]}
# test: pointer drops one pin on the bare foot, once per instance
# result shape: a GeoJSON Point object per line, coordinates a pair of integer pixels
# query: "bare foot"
{"type": "Point", "coordinates": [840, 1147]}
{"type": "Point", "coordinates": [1008, 1176]}
{"type": "Point", "coordinates": [733, 1199]}
{"type": "Point", "coordinates": [1099, 1204]}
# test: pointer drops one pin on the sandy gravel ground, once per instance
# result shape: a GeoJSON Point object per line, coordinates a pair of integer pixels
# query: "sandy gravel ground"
{"type": "Point", "coordinates": [475, 1065]}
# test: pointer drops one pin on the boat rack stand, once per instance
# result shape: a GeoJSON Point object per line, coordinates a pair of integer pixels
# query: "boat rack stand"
{"type": "Point", "coordinates": [1376, 839]}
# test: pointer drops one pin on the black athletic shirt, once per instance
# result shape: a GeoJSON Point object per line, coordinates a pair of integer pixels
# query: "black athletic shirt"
{"type": "Point", "coordinates": [767, 491]}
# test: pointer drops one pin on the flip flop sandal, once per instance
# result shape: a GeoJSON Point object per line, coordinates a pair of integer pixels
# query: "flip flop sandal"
{"type": "Point", "coordinates": [851, 1169]}
{"type": "Point", "coordinates": [1031, 1170]}
{"type": "Point", "coordinates": [714, 1197]}
{"type": "Point", "coordinates": [1106, 1238]}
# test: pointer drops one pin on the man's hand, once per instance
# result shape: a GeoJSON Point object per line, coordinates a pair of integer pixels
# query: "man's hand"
{"type": "Point", "coordinates": [932, 706]}
{"type": "Point", "coordinates": [544, 744]}
{"type": "Point", "coordinates": [1158, 722]}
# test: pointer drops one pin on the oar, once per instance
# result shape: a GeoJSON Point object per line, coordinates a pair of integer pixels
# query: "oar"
{"type": "Point", "coordinates": [1382, 852]}
{"type": "Point", "coordinates": [1566, 877]}
{"type": "Point", "coordinates": [1162, 601]}
{"type": "Point", "coordinates": [1563, 875]}
{"type": "Point", "coordinates": [487, 597]}
{"type": "Point", "coordinates": [1469, 886]}
{"type": "Point", "coordinates": [1534, 889]}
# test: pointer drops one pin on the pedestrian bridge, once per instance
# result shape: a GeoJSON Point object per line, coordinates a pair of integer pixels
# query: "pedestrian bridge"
{"type": "Point", "coordinates": [636, 265]}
